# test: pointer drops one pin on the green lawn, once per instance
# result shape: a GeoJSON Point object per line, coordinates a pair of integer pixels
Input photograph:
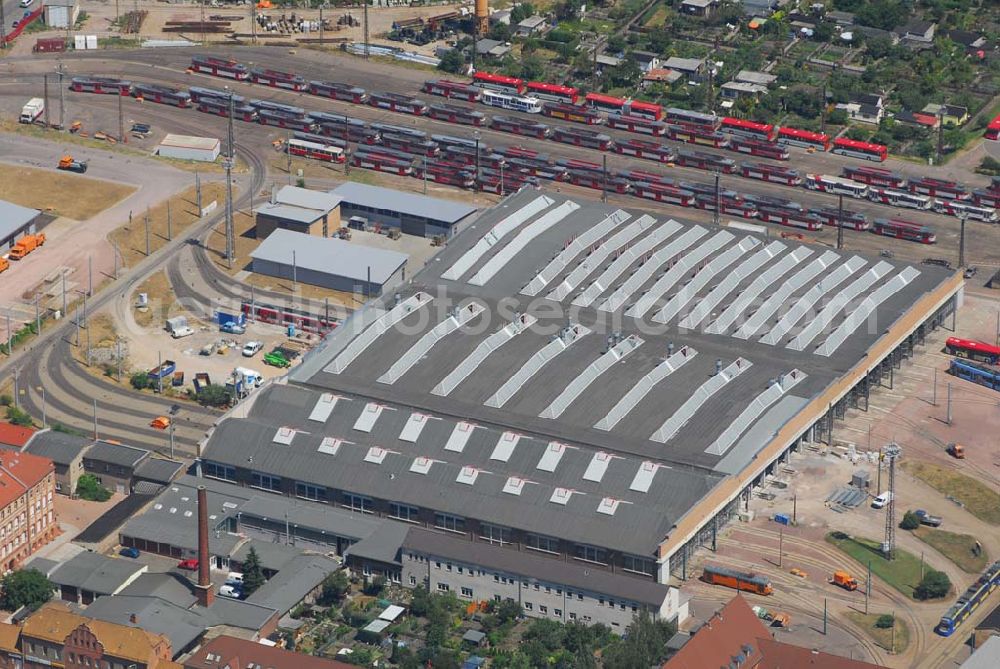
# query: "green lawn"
{"type": "Point", "coordinates": [883, 637]}
{"type": "Point", "coordinates": [903, 573]}
{"type": "Point", "coordinates": [979, 500]}
{"type": "Point", "coordinates": [956, 547]}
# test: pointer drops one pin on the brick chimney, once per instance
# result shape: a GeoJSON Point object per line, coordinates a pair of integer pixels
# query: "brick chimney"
{"type": "Point", "coordinates": [204, 590]}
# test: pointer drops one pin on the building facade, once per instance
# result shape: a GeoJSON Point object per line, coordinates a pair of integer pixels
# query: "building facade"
{"type": "Point", "coordinates": [27, 513]}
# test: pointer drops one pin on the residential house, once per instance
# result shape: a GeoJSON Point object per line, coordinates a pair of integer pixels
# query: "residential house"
{"type": "Point", "coordinates": [113, 464]}
{"type": "Point", "coordinates": [751, 77]}
{"type": "Point", "coordinates": [970, 40]}
{"type": "Point", "coordinates": [689, 67]}
{"type": "Point", "coordinates": [491, 48]}
{"type": "Point", "coordinates": [701, 8]}
{"type": "Point", "coordinates": [54, 636]}
{"type": "Point", "coordinates": [27, 512]}
{"type": "Point", "coordinates": [950, 115]}
{"type": "Point", "coordinates": [661, 76]}
{"type": "Point", "coordinates": [66, 452]}
{"type": "Point", "coordinates": [229, 652]}
{"type": "Point", "coordinates": [841, 18]}
{"type": "Point", "coordinates": [500, 16]}
{"type": "Point", "coordinates": [918, 31]}
{"type": "Point", "coordinates": [15, 436]}
{"type": "Point", "coordinates": [604, 60]}
{"type": "Point", "coordinates": [918, 119]}
{"type": "Point", "coordinates": [735, 637]}
{"type": "Point", "coordinates": [864, 108]}
{"type": "Point", "coordinates": [762, 8]}
{"type": "Point", "coordinates": [532, 26]}
{"type": "Point", "coordinates": [736, 90]}
{"type": "Point", "coordinates": [645, 60]}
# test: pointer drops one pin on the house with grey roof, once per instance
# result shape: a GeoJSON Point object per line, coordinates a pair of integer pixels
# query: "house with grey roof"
{"type": "Point", "coordinates": [413, 214]}
{"type": "Point", "coordinates": [114, 464]}
{"type": "Point", "coordinates": [331, 263]}
{"type": "Point", "coordinates": [89, 575]}
{"type": "Point", "coordinates": [17, 221]}
{"type": "Point", "coordinates": [299, 581]}
{"type": "Point", "coordinates": [300, 210]}
{"type": "Point", "coordinates": [157, 470]}
{"type": "Point", "coordinates": [66, 452]}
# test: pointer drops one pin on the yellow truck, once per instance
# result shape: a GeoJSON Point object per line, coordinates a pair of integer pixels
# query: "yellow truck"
{"type": "Point", "coordinates": [26, 245]}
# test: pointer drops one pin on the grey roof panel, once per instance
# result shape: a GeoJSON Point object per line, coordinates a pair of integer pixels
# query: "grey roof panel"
{"type": "Point", "coordinates": [116, 454]}
{"type": "Point", "coordinates": [431, 208]}
{"type": "Point", "coordinates": [159, 469]}
{"type": "Point", "coordinates": [333, 256]}
{"type": "Point", "coordinates": [60, 447]}
{"type": "Point", "coordinates": [13, 217]}
{"type": "Point", "coordinates": [96, 573]}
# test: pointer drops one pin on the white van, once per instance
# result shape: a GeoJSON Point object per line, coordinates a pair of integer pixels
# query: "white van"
{"type": "Point", "coordinates": [881, 500]}
{"type": "Point", "coordinates": [234, 578]}
{"type": "Point", "coordinates": [27, 3]}
{"type": "Point", "coordinates": [231, 591]}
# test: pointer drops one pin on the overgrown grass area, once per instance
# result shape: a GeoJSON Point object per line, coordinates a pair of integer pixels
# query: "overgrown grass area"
{"type": "Point", "coordinates": [902, 573]}
{"type": "Point", "coordinates": [978, 499]}
{"type": "Point", "coordinates": [959, 548]}
{"type": "Point", "coordinates": [882, 636]}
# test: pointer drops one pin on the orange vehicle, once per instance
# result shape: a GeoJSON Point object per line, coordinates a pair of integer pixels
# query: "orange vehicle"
{"type": "Point", "coordinates": [956, 451]}
{"type": "Point", "coordinates": [4, 265]}
{"type": "Point", "coordinates": [844, 580]}
{"type": "Point", "coordinates": [160, 423]}
{"type": "Point", "coordinates": [746, 581]}
{"type": "Point", "coordinates": [26, 245]}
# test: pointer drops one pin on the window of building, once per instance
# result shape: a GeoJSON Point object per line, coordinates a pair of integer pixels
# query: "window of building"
{"type": "Point", "coordinates": [443, 587]}
{"type": "Point", "coordinates": [543, 609]}
{"type": "Point", "coordinates": [528, 606]}
{"type": "Point", "coordinates": [591, 554]}
{"type": "Point", "coordinates": [265, 481]}
{"type": "Point", "coordinates": [460, 570]}
{"type": "Point", "coordinates": [572, 616]}
{"type": "Point", "coordinates": [358, 503]}
{"type": "Point", "coordinates": [495, 534]}
{"type": "Point", "coordinates": [448, 566]}
{"type": "Point", "coordinates": [467, 592]}
{"type": "Point", "coordinates": [413, 580]}
{"type": "Point", "coordinates": [639, 565]}
{"type": "Point", "coordinates": [214, 470]}
{"type": "Point", "coordinates": [312, 492]}
{"type": "Point", "coordinates": [622, 606]}
{"type": "Point", "coordinates": [410, 514]}
{"type": "Point", "coordinates": [448, 522]}
{"type": "Point", "coordinates": [579, 596]}
{"type": "Point", "coordinates": [540, 542]}
{"type": "Point", "coordinates": [557, 613]}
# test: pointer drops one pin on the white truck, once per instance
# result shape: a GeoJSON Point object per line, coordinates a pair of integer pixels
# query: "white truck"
{"type": "Point", "coordinates": [31, 111]}
{"type": "Point", "coordinates": [178, 327]}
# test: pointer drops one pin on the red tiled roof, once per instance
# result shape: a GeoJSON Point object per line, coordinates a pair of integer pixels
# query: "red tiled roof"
{"type": "Point", "coordinates": [20, 472]}
{"type": "Point", "coordinates": [779, 655]}
{"type": "Point", "coordinates": [223, 651]}
{"type": "Point", "coordinates": [925, 119]}
{"type": "Point", "coordinates": [15, 435]}
{"type": "Point", "coordinates": [731, 631]}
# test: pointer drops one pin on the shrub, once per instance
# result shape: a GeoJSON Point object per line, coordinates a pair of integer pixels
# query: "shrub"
{"type": "Point", "coordinates": [19, 417]}
{"type": "Point", "coordinates": [934, 585]}
{"type": "Point", "coordinates": [140, 381]}
{"type": "Point", "coordinates": [909, 522]}
{"type": "Point", "coordinates": [885, 621]}
{"type": "Point", "coordinates": [90, 489]}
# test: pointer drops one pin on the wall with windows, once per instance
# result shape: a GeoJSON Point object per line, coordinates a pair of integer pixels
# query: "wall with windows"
{"type": "Point", "coordinates": [597, 556]}
{"type": "Point", "coordinates": [539, 599]}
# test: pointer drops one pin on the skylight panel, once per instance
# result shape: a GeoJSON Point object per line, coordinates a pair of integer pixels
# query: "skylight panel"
{"type": "Point", "coordinates": [514, 485]}
{"type": "Point", "coordinates": [551, 457]}
{"type": "Point", "coordinates": [376, 455]}
{"type": "Point", "coordinates": [323, 408]}
{"type": "Point", "coordinates": [505, 446]}
{"type": "Point", "coordinates": [421, 465]}
{"type": "Point", "coordinates": [284, 436]}
{"type": "Point", "coordinates": [468, 475]}
{"type": "Point", "coordinates": [329, 445]}
{"type": "Point", "coordinates": [459, 437]}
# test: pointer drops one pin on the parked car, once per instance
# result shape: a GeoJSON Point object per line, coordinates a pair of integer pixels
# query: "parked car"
{"type": "Point", "coordinates": [234, 578]}
{"type": "Point", "coordinates": [928, 519]}
{"type": "Point", "coordinates": [181, 332]}
{"type": "Point", "coordinates": [881, 500]}
{"type": "Point", "coordinates": [188, 565]}
{"type": "Point", "coordinates": [231, 591]}
{"type": "Point", "coordinates": [129, 552]}
{"type": "Point", "coordinates": [252, 348]}
{"type": "Point", "coordinates": [970, 272]}
{"type": "Point", "coordinates": [233, 327]}
{"type": "Point", "coordinates": [160, 422]}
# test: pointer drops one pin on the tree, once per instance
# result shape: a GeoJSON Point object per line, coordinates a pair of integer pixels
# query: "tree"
{"type": "Point", "coordinates": [452, 61]}
{"type": "Point", "coordinates": [500, 32]}
{"type": "Point", "coordinates": [140, 381]}
{"type": "Point", "coordinates": [934, 585]}
{"type": "Point", "coordinates": [374, 587]}
{"type": "Point", "coordinates": [521, 12]}
{"type": "Point", "coordinates": [90, 489]}
{"type": "Point", "coordinates": [532, 67]}
{"type": "Point", "coordinates": [253, 573]}
{"type": "Point", "coordinates": [885, 621]}
{"type": "Point", "coordinates": [335, 586]}
{"type": "Point", "coordinates": [909, 522]}
{"type": "Point", "coordinates": [28, 587]}
{"type": "Point", "coordinates": [214, 395]}
{"type": "Point", "coordinates": [616, 44]}
{"type": "Point", "coordinates": [644, 643]}
{"type": "Point", "coordinates": [837, 117]}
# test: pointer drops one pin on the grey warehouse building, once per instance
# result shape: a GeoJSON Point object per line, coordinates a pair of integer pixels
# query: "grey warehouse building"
{"type": "Point", "coordinates": [329, 263]}
{"type": "Point", "coordinates": [17, 221]}
{"type": "Point", "coordinates": [413, 214]}
{"type": "Point", "coordinates": [605, 403]}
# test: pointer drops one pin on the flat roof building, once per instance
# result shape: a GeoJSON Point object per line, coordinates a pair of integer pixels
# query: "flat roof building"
{"type": "Point", "coordinates": [16, 221]}
{"type": "Point", "coordinates": [414, 214]}
{"type": "Point", "coordinates": [186, 147]}
{"type": "Point", "coordinates": [583, 383]}
{"type": "Point", "coordinates": [329, 263]}
{"type": "Point", "coordinates": [299, 210]}
{"type": "Point", "coordinates": [89, 575]}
